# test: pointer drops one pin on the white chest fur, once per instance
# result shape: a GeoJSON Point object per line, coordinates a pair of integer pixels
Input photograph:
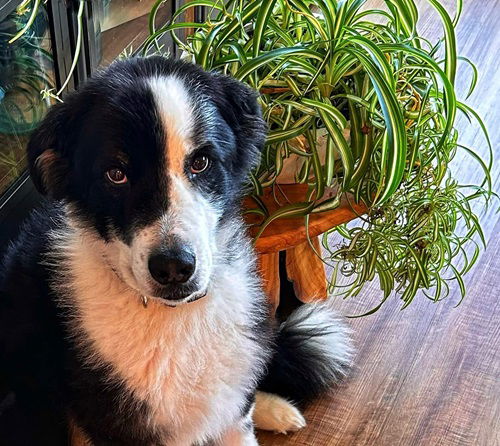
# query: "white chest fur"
{"type": "Point", "coordinates": [192, 364]}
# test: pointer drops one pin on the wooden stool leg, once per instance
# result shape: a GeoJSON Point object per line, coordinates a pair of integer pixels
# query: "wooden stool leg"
{"type": "Point", "coordinates": [306, 271]}
{"type": "Point", "coordinates": [270, 272]}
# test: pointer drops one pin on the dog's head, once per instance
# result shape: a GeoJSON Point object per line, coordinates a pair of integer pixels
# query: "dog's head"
{"type": "Point", "coordinates": [152, 154]}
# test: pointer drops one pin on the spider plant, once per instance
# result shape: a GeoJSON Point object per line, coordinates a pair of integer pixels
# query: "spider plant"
{"type": "Point", "coordinates": [385, 98]}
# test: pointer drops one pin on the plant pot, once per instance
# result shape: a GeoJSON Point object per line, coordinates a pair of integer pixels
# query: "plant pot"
{"type": "Point", "coordinates": [293, 163]}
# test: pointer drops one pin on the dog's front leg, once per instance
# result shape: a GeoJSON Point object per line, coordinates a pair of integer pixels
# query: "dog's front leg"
{"type": "Point", "coordinates": [238, 437]}
{"type": "Point", "coordinates": [241, 434]}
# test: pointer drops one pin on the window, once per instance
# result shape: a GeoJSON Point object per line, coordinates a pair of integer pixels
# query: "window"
{"type": "Point", "coordinates": [123, 26]}
{"type": "Point", "coordinates": [40, 60]}
{"type": "Point", "coordinates": [26, 69]}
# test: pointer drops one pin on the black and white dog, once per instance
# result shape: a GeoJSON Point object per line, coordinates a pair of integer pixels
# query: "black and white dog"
{"type": "Point", "coordinates": [130, 309]}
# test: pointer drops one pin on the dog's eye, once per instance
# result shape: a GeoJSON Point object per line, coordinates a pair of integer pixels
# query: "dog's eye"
{"type": "Point", "coordinates": [116, 176]}
{"type": "Point", "coordinates": [199, 164]}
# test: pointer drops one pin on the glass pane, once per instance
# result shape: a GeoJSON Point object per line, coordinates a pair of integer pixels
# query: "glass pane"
{"type": "Point", "coordinates": [123, 25]}
{"type": "Point", "coordinates": [26, 68]}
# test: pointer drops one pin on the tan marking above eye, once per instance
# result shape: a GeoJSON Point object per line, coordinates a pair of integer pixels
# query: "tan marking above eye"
{"type": "Point", "coordinates": [176, 113]}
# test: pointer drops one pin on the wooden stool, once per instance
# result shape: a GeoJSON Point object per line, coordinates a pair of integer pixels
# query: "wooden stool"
{"type": "Point", "coordinates": [303, 266]}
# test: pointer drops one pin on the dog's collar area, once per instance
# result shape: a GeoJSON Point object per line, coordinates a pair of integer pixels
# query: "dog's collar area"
{"type": "Point", "coordinates": [172, 304]}
{"type": "Point", "coordinates": [189, 299]}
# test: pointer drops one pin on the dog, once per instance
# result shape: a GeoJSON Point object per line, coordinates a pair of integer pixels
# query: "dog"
{"type": "Point", "coordinates": [131, 312]}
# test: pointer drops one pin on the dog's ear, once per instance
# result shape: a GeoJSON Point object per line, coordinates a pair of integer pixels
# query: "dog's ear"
{"type": "Point", "coordinates": [238, 105]}
{"type": "Point", "coordinates": [47, 154]}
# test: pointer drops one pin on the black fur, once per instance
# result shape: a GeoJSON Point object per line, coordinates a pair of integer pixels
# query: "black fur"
{"type": "Point", "coordinates": [291, 373]}
{"type": "Point", "coordinates": [32, 341]}
{"type": "Point", "coordinates": [113, 117]}
{"type": "Point", "coordinates": [298, 371]}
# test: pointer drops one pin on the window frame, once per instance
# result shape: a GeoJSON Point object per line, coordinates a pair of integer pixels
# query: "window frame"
{"type": "Point", "coordinates": [21, 196]}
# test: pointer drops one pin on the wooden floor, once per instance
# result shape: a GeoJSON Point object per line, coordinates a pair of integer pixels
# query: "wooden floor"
{"type": "Point", "coordinates": [429, 375]}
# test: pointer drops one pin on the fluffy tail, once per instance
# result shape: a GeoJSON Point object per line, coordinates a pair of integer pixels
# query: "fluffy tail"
{"type": "Point", "coordinates": [313, 351]}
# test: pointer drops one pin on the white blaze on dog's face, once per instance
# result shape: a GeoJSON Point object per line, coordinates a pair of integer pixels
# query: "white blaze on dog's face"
{"type": "Point", "coordinates": [153, 154]}
{"type": "Point", "coordinates": [179, 245]}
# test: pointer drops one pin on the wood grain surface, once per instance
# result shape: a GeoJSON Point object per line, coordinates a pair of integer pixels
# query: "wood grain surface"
{"type": "Point", "coordinates": [429, 375]}
{"type": "Point", "coordinates": [305, 269]}
{"type": "Point", "coordinates": [286, 233]}
{"type": "Point", "coordinates": [269, 271]}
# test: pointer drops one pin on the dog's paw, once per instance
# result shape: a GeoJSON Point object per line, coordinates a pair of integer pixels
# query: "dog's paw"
{"type": "Point", "coordinates": [273, 413]}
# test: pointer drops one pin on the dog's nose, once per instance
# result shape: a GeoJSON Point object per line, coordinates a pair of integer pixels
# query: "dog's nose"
{"type": "Point", "coordinates": [172, 266]}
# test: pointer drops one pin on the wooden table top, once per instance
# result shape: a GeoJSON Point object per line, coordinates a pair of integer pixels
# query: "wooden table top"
{"type": "Point", "coordinates": [285, 233]}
